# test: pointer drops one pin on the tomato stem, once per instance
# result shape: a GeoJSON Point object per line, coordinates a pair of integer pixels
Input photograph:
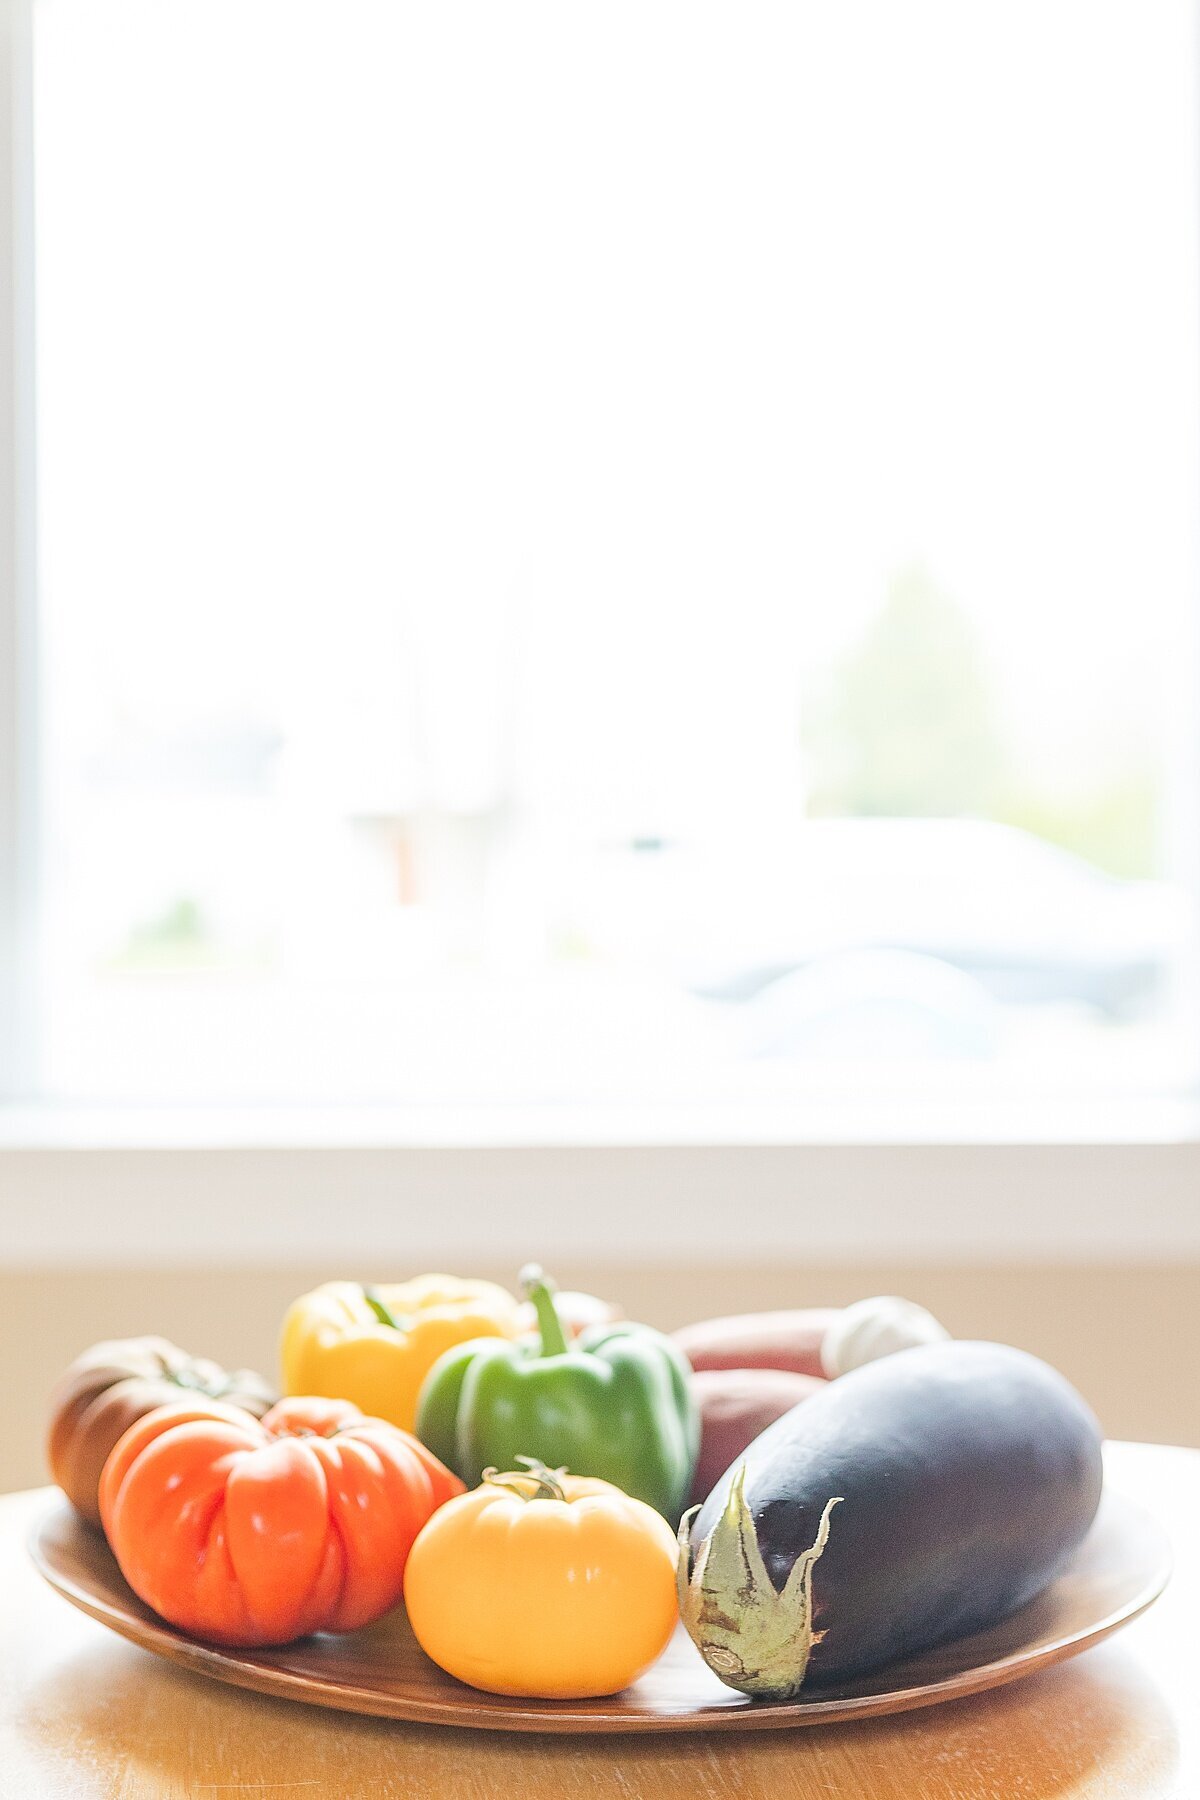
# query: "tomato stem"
{"type": "Point", "coordinates": [192, 1384]}
{"type": "Point", "coordinates": [548, 1481]}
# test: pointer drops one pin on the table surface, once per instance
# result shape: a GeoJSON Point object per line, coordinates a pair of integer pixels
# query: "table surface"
{"type": "Point", "coordinates": [86, 1716]}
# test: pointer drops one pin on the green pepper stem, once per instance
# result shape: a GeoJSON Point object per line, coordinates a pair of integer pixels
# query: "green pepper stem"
{"type": "Point", "coordinates": [538, 1287]}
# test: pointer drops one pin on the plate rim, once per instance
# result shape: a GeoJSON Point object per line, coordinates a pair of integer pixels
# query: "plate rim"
{"type": "Point", "coordinates": [519, 1715]}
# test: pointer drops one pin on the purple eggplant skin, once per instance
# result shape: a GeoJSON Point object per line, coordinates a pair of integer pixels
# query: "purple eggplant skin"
{"type": "Point", "coordinates": [967, 1473]}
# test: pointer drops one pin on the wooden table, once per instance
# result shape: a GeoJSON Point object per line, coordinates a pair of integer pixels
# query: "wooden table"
{"type": "Point", "coordinates": [86, 1716]}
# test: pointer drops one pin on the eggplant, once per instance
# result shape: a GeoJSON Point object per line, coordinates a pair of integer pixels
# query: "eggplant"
{"type": "Point", "coordinates": [917, 1499]}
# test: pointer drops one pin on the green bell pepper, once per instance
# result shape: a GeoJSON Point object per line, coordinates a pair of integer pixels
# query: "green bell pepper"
{"type": "Point", "coordinates": [616, 1404]}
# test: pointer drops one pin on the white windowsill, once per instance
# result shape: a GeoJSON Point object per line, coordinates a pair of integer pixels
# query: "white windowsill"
{"type": "Point", "coordinates": [838, 1122]}
{"type": "Point", "coordinates": [345, 1189]}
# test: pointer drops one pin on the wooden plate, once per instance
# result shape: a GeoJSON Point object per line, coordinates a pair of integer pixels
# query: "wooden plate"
{"type": "Point", "coordinates": [1121, 1567]}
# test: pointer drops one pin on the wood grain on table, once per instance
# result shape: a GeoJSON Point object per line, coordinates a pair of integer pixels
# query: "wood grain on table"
{"type": "Point", "coordinates": [86, 1716]}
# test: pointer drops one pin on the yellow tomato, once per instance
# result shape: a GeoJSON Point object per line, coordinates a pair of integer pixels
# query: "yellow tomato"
{"type": "Point", "coordinates": [543, 1584]}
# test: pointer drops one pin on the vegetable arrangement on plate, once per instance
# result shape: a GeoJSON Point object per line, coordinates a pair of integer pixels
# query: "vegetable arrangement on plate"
{"type": "Point", "coordinates": [516, 1469]}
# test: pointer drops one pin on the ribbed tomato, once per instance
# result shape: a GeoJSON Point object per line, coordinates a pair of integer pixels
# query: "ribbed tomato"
{"type": "Point", "coordinates": [248, 1531]}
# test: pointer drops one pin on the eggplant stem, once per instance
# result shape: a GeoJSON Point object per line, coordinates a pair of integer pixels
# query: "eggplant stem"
{"type": "Point", "coordinates": [754, 1637]}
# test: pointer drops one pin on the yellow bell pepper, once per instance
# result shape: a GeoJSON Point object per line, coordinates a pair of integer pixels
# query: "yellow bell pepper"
{"type": "Point", "coordinates": [375, 1345]}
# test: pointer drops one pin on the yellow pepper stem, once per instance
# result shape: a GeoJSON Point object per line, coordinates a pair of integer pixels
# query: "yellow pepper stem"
{"type": "Point", "coordinates": [382, 1310]}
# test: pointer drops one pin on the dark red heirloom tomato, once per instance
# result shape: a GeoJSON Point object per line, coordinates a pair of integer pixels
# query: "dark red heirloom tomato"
{"type": "Point", "coordinates": [112, 1384]}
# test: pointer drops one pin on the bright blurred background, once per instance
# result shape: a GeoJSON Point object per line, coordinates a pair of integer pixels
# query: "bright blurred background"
{"type": "Point", "coordinates": [616, 556]}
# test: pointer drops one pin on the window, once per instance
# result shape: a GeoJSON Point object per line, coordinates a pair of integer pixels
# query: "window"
{"type": "Point", "coordinates": [642, 554]}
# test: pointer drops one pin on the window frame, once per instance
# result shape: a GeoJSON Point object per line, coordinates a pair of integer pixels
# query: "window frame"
{"type": "Point", "coordinates": [18, 665]}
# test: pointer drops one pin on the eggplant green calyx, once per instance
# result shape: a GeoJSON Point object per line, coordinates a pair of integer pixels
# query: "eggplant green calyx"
{"type": "Point", "coordinates": [755, 1638]}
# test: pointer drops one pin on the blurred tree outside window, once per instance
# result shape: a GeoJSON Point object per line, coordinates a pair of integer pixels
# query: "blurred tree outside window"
{"type": "Point", "coordinates": [910, 726]}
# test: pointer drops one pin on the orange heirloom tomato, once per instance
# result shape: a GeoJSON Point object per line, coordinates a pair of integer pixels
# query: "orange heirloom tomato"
{"type": "Point", "coordinates": [248, 1531]}
{"type": "Point", "coordinates": [543, 1584]}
